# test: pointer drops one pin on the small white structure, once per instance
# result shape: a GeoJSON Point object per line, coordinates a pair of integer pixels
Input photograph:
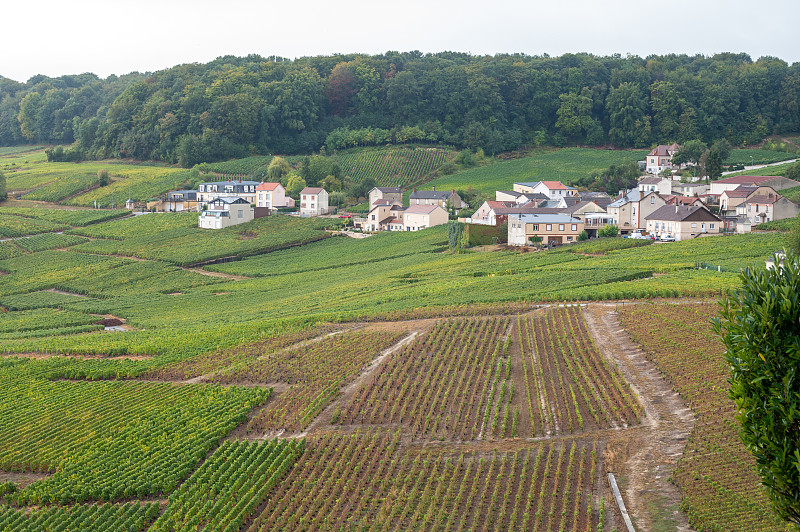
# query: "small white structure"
{"type": "Point", "coordinates": [224, 212]}
{"type": "Point", "coordinates": [313, 201]}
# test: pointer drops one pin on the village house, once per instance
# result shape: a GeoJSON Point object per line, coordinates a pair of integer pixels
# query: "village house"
{"type": "Point", "coordinates": [761, 208]}
{"type": "Point", "coordinates": [730, 199]}
{"type": "Point", "coordinates": [519, 197]}
{"type": "Point", "coordinates": [690, 189]}
{"type": "Point", "coordinates": [682, 222]}
{"type": "Point", "coordinates": [383, 213]}
{"type": "Point", "coordinates": [208, 192]}
{"type": "Point", "coordinates": [487, 213]}
{"type": "Point", "coordinates": [445, 199]}
{"type": "Point", "coordinates": [684, 200]}
{"type": "Point", "coordinates": [552, 189]}
{"type": "Point", "coordinates": [662, 185]}
{"type": "Point", "coordinates": [552, 228]}
{"type": "Point", "coordinates": [418, 217]}
{"type": "Point", "coordinates": [313, 201]}
{"type": "Point", "coordinates": [176, 201]}
{"type": "Point", "coordinates": [272, 196]}
{"type": "Point", "coordinates": [629, 211]}
{"type": "Point", "coordinates": [601, 199]}
{"type": "Point", "coordinates": [385, 193]}
{"type": "Point", "coordinates": [660, 158]}
{"type": "Point", "coordinates": [224, 212]}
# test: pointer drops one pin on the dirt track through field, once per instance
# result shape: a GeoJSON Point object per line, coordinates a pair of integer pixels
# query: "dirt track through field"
{"type": "Point", "coordinates": [644, 458]}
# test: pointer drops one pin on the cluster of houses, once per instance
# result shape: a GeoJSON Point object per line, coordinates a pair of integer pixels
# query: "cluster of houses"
{"type": "Point", "coordinates": [225, 203]}
{"type": "Point", "coordinates": [553, 213]}
{"type": "Point", "coordinates": [426, 208]}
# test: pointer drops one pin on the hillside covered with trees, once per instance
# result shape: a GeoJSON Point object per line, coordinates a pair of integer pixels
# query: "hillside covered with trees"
{"type": "Point", "coordinates": [239, 106]}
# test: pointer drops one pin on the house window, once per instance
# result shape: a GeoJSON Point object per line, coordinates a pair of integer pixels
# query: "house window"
{"type": "Point", "coordinates": [560, 227]}
{"type": "Point", "coordinates": [711, 226]}
{"type": "Point", "coordinates": [574, 227]}
{"type": "Point", "coordinates": [652, 200]}
{"type": "Point", "coordinates": [694, 225]}
{"type": "Point", "coordinates": [304, 196]}
{"type": "Point", "coordinates": [569, 238]}
{"type": "Point", "coordinates": [549, 227]}
{"type": "Point", "coordinates": [373, 217]}
{"type": "Point", "coordinates": [536, 227]}
{"type": "Point", "coordinates": [240, 214]}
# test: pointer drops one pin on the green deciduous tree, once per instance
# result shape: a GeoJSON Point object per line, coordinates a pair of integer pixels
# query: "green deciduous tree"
{"type": "Point", "coordinates": [278, 167]}
{"type": "Point", "coordinates": [627, 113]}
{"type": "Point", "coordinates": [3, 194]}
{"type": "Point", "coordinates": [608, 231]}
{"type": "Point", "coordinates": [759, 328]}
{"type": "Point", "coordinates": [295, 184]}
{"type": "Point", "coordinates": [691, 152]}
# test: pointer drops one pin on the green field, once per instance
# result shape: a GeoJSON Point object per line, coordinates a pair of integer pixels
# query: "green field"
{"type": "Point", "coordinates": [743, 156]}
{"type": "Point", "coordinates": [315, 381]}
{"type": "Point", "coordinates": [564, 165]}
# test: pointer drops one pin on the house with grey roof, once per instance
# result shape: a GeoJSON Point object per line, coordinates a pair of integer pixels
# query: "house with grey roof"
{"type": "Point", "coordinates": [660, 158]}
{"type": "Point", "coordinates": [443, 198]}
{"type": "Point", "coordinates": [224, 212]}
{"type": "Point", "coordinates": [553, 229]}
{"type": "Point", "coordinates": [206, 192]}
{"type": "Point", "coordinates": [385, 193]}
{"type": "Point", "coordinates": [628, 212]}
{"type": "Point", "coordinates": [683, 222]}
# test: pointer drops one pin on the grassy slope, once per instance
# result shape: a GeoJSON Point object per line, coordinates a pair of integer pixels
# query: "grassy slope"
{"type": "Point", "coordinates": [565, 165]}
{"type": "Point", "coordinates": [405, 273]}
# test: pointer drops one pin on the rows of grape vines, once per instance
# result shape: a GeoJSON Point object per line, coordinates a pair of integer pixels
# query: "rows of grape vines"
{"type": "Point", "coordinates": [371, 481]}
{"type": "Point", "coordinates": [226, 490]}
{"type": "Point", "coordinates": [315, 371]}
{"type": "Point", "coordinates": [717, 475]}
{"type": "Point", "coordinates": [79, 518]}
{"type": "Point", "coordinates": [569, 385]}
{"type": "Point", "coordinates": [443, 385]}
{"type": "Point", "coordinates": [395, 167]}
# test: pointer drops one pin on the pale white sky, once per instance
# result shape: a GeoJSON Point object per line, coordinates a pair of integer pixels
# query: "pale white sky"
{"type": "Point", "coordinates": [114, 37]}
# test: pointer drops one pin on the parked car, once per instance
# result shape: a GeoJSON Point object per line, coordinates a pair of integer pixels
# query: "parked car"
{"type": "Point", "coordinates": [637, 236]}
{"type": "Point", "coordinates": [667, 238]}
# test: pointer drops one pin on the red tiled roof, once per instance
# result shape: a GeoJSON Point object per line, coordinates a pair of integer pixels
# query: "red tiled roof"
{"type": "Point", "coordinates": [268, 186]}
{"type": "Point", "coordinates": [555, 185]}
{"type": "Point", "coordinates": [311, 190]}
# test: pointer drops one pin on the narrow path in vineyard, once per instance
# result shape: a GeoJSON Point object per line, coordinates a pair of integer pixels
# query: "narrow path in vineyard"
{"type": "Point", "coordinates": [646, 457]}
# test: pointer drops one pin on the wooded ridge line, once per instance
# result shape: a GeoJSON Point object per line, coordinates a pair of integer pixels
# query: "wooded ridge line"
{"type": "Point", "coordinates": [239, 106]}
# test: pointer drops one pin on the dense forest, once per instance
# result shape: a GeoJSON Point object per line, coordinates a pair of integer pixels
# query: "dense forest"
{"type": "Point", "coordinates": [238, 106]}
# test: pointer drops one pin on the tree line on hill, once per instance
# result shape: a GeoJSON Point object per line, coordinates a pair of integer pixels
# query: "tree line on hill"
{"type": "Point", "coordinates": [238, 106]}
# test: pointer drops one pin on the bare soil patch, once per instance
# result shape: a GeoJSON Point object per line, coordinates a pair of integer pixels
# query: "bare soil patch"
{"type": "Point", "coordinates": [643, 459]}
{"type": "Point", "coordinates": [56, 291]}
{"type": "Point", "coordinates": [22, 480]}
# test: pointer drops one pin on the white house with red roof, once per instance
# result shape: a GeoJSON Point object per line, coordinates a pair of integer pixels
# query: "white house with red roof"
{"type": "Point", "coordinates": [313, 201]}
{"type": "Point", "coordinates": [660, 158]}
{"type": "Point", "coordinates": [272, 196]}
{"type": "Point", "coordinates": [552, 189]}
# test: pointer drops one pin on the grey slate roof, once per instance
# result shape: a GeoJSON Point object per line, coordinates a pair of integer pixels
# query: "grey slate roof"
{"type": "Point", "coordinates": [431, 194]}
{"type": "Point", "coordinates": [669, 213]}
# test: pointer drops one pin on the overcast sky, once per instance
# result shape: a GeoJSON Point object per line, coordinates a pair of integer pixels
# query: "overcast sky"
{"type": "Point", "coordinates": [113, 37]}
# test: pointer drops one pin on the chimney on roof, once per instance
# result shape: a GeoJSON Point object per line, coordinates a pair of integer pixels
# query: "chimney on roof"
{"type": "Point", "coordinates": [676, 208]}
{"type": "Point", "coordinates": [240, 181]}
{"type": "Point", "coordinates": [433, 188]}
